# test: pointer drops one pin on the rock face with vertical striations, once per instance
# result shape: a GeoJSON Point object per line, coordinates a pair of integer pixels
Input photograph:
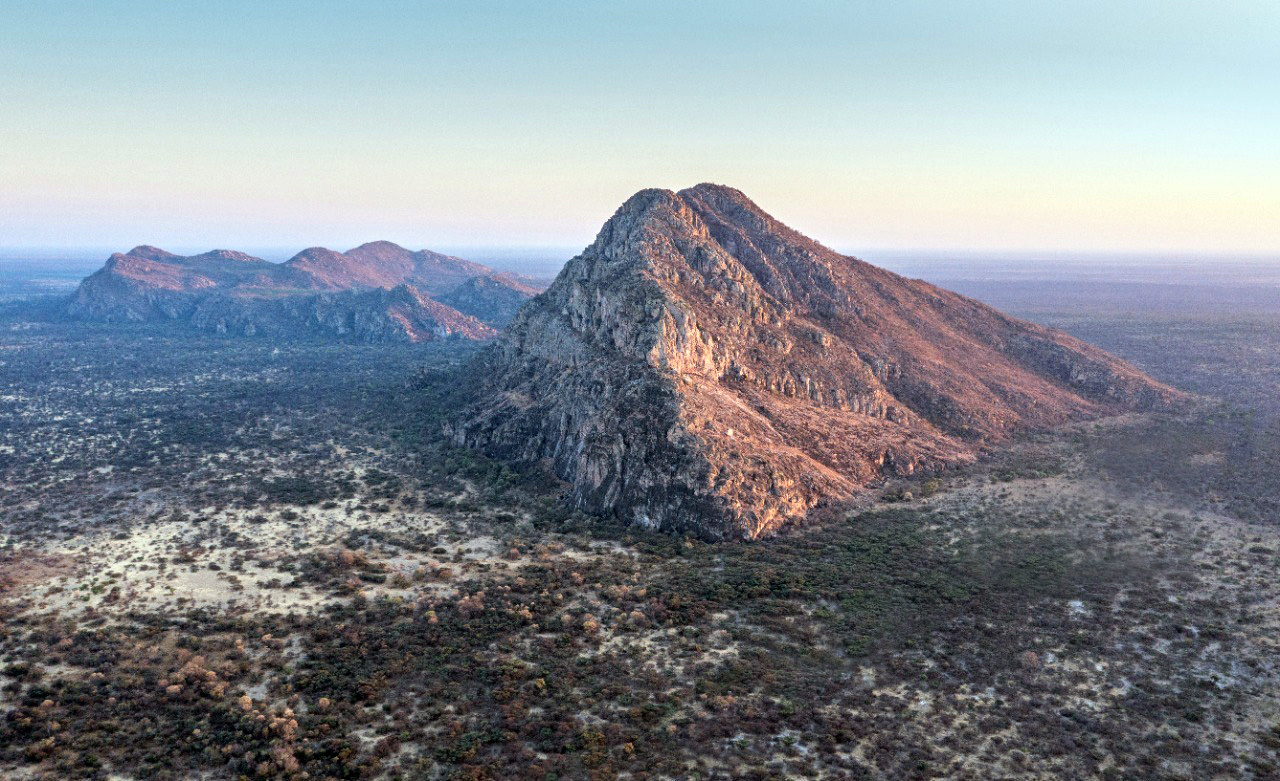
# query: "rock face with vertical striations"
{"type": "Point", "coordinates": [703, 367]}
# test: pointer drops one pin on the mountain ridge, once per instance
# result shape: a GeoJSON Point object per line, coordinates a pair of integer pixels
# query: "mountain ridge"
{"type": "Point", "coordinates": [234, 292]}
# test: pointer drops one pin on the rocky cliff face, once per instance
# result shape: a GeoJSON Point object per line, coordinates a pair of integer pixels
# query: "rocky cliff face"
{"type": "Point", "coordinates": [701, 366]}
{"type": "Point", "coordinates": [318, 292]}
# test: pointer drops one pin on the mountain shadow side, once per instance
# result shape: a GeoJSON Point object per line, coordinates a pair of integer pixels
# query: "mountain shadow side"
{"type": "Point", "coordinates": [703, 367]}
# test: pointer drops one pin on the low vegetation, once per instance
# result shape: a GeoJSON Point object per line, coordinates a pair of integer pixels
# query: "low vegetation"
{"type": "Point", "coordinates": [234, 560]}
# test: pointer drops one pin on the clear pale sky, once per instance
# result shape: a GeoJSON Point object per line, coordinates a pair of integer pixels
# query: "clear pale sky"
{"type": "Point", "coordinates": [1080, 125]}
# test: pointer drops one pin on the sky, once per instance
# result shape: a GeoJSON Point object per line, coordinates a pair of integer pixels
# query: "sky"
{"type": "Point", "coordinates": [966, 124]}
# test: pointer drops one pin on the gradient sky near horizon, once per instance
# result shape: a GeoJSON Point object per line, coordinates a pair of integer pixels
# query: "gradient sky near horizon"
{"type": "Point", "coordinates": [1011, 124]}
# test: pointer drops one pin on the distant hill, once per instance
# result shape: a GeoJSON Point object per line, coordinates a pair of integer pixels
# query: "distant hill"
{"type": "Point", "coordinates": [701, 366]}
{"type": "Point", "coordinates": [375, 292]}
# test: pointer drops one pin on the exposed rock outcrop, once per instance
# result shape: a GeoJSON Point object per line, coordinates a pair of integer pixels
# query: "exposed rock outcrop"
{"type": "Point", "coordinates": [701, 366]}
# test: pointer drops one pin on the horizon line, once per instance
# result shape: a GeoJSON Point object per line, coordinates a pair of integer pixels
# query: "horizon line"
{"type": "Point", "coordinates": [574, 249]}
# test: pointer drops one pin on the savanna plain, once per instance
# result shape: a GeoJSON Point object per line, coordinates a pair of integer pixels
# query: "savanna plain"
{"type": "Point", "coordinates": [227, 558]}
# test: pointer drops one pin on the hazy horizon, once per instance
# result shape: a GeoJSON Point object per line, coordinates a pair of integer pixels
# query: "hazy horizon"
{"type": "Point", "coordinates": [517, 253]}
{"type": "Point", "coordinates": [64, 267]}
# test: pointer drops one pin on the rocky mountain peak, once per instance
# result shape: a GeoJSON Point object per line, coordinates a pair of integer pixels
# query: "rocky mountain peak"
{"type": "Point", "coordinates": [380, 246]}
{"type": "Point", "coordinates": [643, 218]}
{"type": "Point", "coordinates": [702, 366]}
{"type": "Point", "coordinates": [315, 254]}
{"type": "Point", "coordinates": [382, 253]}
{"type": "Point", "coordinates": [148, 252]}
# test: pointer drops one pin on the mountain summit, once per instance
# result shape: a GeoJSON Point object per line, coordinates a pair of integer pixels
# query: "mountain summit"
{"type": "Point", "coordinates": [703, 367]}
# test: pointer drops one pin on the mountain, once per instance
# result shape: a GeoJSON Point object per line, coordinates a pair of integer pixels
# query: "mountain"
{"type": "Point", "coordinates": [147, 283]}
{"type": "Point", "coordinates": [238, 293]}
{"type": "Point", "coordinates": [703, 367]}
